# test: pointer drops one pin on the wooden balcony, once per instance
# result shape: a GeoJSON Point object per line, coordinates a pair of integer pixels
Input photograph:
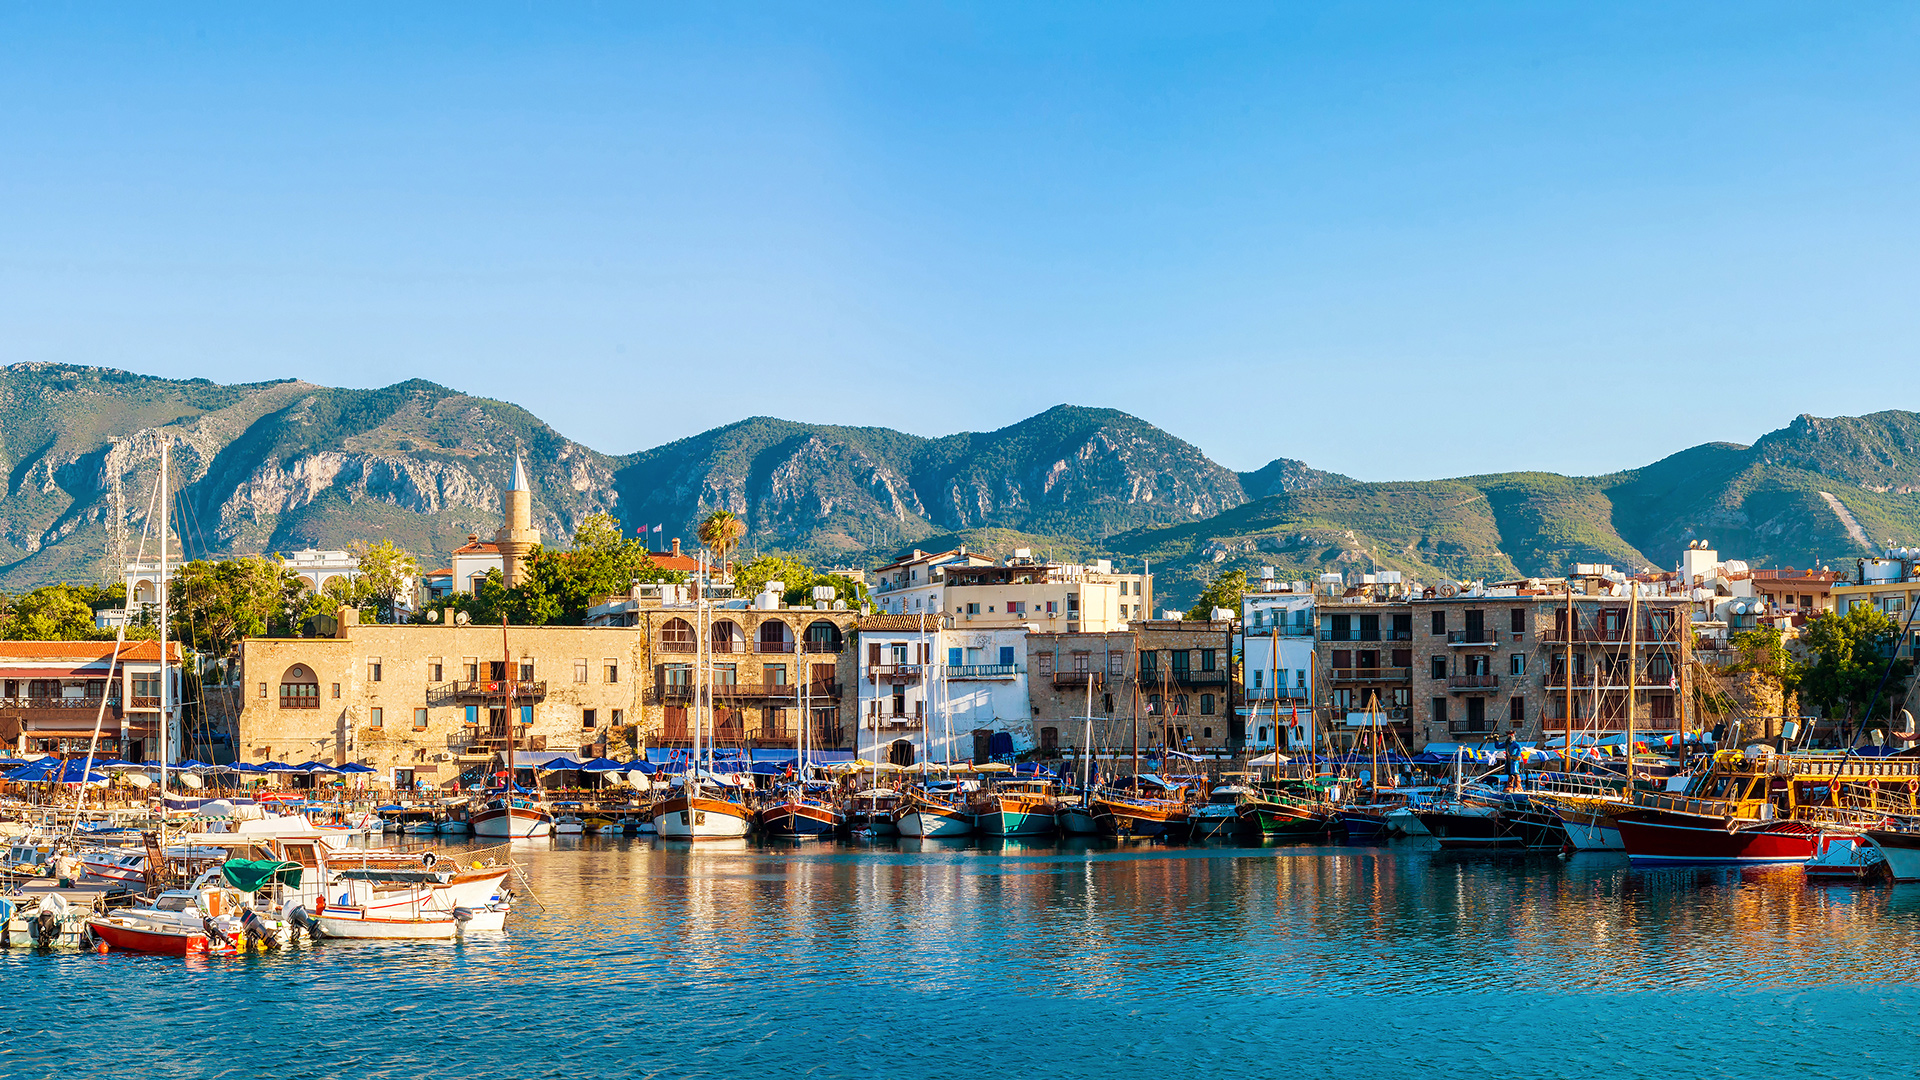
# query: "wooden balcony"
{"type": "Point", "coordinates": [1457, 683]}
{"type": "Point", "coordinates": [1067, 680]}
{"type": "Point", "coordinates": [497, 691]}
{"type": "Point", "coordinates": [1369, 674]}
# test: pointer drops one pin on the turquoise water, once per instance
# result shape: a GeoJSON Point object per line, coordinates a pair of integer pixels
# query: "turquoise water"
{"type": "Point", "coordinates": [951, 958]}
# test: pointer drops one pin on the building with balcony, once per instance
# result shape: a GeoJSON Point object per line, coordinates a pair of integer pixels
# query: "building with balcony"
{"type": "Point", "coordinates": [1022, 591]}
{"type": "Point", "coordinates": [1276, 648]}
{"type": "Point", "coordinates": [1184, 674]}
{"type": "Point", "coordinates": [1079, 681]}
{"type": "Point", "coordinates": [52, 694]}
{"type": "Point", "coordinates": [1524, 658]}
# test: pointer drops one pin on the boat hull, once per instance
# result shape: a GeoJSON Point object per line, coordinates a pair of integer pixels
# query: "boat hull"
{"type": "Point", "coordinates": [1665, 838]}
{"type": "Point", "coordinates": [798, 819]}
{"type": "Point", "coordinates": [149, 938]}
{"type": "Point", "coordinates": [1279, 819]}
{"type": "Point", "coordinates": [1363, 824]}
{"type": "Point", "coordinates": [1077, 821]}
{"type": "Point", "coordinates": [1125, 821]}
{"type": "Point", "coordinates": [1470, 828]}
{"type": "Point", "coordinates": [683, 818]}
{"type": "Point", "coordinates": [1901, 850]}
{"type": "Point", "coordinates": [1588, 830]}
{"type": "Point", "coordinates": [499, 822]}
{"type": "Point", "coordinates": [1007, 822]}
{"type": "Point", "coordinates": [923, 823]}
{"type": "Point", "coordinates": [1207, 824]}
{"type": "Point", "coordinates": [353, 925]}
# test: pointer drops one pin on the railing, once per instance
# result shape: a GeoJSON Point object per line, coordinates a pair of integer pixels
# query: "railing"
{"type": "Point", "coordinates": [523, 690]}
{"type": "Point", "coordinates": [822, 647]}
{"type": "Point", "coordinates": [1256, 632]}
{"type": "Point", "coordinates": [677, 647]}
{"type": "Point", "coordinates": [140, 701]}
{"type": "Point", "coordinates": [1649, 635]}
{"type": "Point", "coordinates": [983, 671]}
{"type": "Point", "coordinates": [1473, 682]}
{"type": "Point", "coordinates": [1082, 679]}
{"type": "Point", "coordinates": [1276, 693]}
{"type": "Point", "coordinates": [66, 704]}
{"type": "Point", "coordinates": [1370, 674]}
{"type": "Point", "coordinates": [774, 646]}
{"type": "Point", "coordinates": [1473, 637]}
{"type": "Point", "coordinates": [894, 671]}
{"type": "Point", "coordinates": [1191, 677]}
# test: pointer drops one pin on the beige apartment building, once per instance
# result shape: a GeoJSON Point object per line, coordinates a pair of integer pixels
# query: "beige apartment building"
{"type": "Point", "coordinates": [1021, 591]}
{"type": "Point", "coordinates": [1518, 660]}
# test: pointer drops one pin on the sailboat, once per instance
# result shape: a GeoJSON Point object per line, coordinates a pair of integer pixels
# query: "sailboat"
{"type": "Point", "coordinates": [510, 815]}
{"type": "Point", "coordinates": [705, 805]}
{"type": "Point", "coordinates": [798, 812]}
{"type": "Point", "coordinates": [1134, 814]}
{"type": "Point", "coordinates": [935, 808]}
{"type": "Point", "coordinates": [1076, 818]}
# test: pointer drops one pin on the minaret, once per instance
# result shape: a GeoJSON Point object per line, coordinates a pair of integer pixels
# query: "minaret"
{"type": "Point", "coordinates": [516, 538]}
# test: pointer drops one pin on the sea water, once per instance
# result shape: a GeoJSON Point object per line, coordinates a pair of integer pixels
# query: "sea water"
{"type": "Point", "coordinates": [971, 958]}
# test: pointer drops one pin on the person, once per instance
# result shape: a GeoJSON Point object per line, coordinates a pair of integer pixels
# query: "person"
{"type": "Point", "coordinates": [64, 866]}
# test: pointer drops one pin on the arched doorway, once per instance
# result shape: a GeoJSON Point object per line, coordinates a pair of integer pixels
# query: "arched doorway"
{"type": "Point", "coordinates": [901, 752]}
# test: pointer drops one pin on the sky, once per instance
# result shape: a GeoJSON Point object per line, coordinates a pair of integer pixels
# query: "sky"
{"type": "Point", "coordinates": [1398, 241]}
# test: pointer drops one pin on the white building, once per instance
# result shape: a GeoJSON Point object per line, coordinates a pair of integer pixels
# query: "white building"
{"type": "Point", "coordinates": [1277, 631]}
{"type": "Point", "coordinates": [932, 692]}
{"type": "Point", "coordinates": [315, 568]}
{"type": "Point", "coordinates": [471, 564]}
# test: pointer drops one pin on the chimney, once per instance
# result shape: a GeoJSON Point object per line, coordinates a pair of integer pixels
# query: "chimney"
{"type": "Point", "coordinates": [344, 617]}
{"type": "Point", "coordinates": [473, 538]}
{"type": "Point", "coordinates": [676, 547]}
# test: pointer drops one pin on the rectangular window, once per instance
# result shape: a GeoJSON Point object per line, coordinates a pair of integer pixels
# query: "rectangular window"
{"type": "Point", "coordinates": [1369, 628]}
{"type": "Point", "coordinates": [953, 658]}
{"type": "Point", "coordinates": [263, 690]}
{"type": "Point", "coordinates": [1006, 656]}
{"type": "Point", "coordinates": [434, 669]}
{"type": "Point", "coordinates": [419, 719]}
{"type": "Point", "coordinates": [1439, 710]}
{"type": "Point", "coordinates": [526, 715]}
{"type": "Point", "coordinates": [612, 671]}
{"type": "Point", "coordinates": [336, 691]}
{"type": "Point", "coordinates": [526, 670]}
{"type": "Point", "coordinates": [1300, 679]}
{"type": "Point", "coordinates": [726, 674]}
{"type": "Point", "coordinates": [588, 718]}
{"type": "Point", "coordinates": [473, 716]}
{"type": "Point", "coordinates": [873, 654]}
{"type": "Point", "coordinates": [1439, 667]}
{"type": "Point", "coordinates": [1182, 662]}
{"type": "Point", "coordinates": [973, 609]}
{"type": "Point", "coordinates": [1043, 663]}
{"type": "Point", "coordinates": [377, 718]}
{"type": "Point", "coordinates": [617, 717]}
{"type": "Point", "coordinates": [1209, 659]}
{"type": "Point", "coordinates": [1403, 658]}
{"type": "Point", "coordinates": [1517, 711]}
{"type": "Point", "coordinates": [1439, 622]}
{"type": "Point", "coordinates": [373, 669]}
{"type": "Point", "coordinates": [1518, 664]}
{"type": "Point", "coordinates": [1117, 662]}
{"type": "Point", "coordinates": [1403, 627]}
{"type": "Point", "coordinates": [774, 674]}
{"type": "Point", "coordinates": [1518, 618]}
{"type": "Point", "coordinates": [580, 670]}
{"type": "Point", "coordinates": [1342, 627]}
{"type": "Point", "coordinates": [472, 666]}
{"type": "Point", "coordinates": [1258, 675]}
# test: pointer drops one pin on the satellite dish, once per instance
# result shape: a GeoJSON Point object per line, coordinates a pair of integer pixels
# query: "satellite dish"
{"type": "Point", "coordinates": [1447, 590]}
{"type": "Point", "coordinates": [433, 616]}
{"type": "Point", "coordinates": [461, 618]}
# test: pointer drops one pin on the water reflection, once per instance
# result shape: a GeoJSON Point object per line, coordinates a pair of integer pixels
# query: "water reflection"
{"type": "Point", "coordinates": [868, 958]}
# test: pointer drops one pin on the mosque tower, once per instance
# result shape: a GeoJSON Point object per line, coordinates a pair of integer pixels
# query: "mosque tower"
{"type": "Point", "coordinates": [517, 537]}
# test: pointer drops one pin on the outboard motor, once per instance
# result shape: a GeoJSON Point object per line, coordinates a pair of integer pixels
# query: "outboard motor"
{"type": "Point", "coordinates": [259, 934]}
{"type": "Point", "coordinates": [297, 915]}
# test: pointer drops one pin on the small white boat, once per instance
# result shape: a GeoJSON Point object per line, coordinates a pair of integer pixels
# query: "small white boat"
{"type": "Point", "coordinates": [454, 828]}
{"type": "Point", "coordinates": [122, 867]}
{"type": "Point", "coordinates": [512, 819]}
{"type": "Point", "coordinates": [410, 907]}
{"type": "Point", "coordinates": [568, 825]}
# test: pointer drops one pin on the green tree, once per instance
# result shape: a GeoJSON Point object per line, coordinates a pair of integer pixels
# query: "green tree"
{"type": "Point", "coordinates": [1763, 652]}
{"type": "Point", "coordinates": [798, 578]}
{"type": "Point", "coordinates": [52, 613]}
{"type": "Point", "coordinates": [386, 571]}
{"type": "Point", "coordinates": [721, 532]}
{"type": "Point", "coordinates": [1225, 591]}
{"type": "Point", "coordinates": [1848, 660]}
{"type": "Point", "coordinates": [215, 604]}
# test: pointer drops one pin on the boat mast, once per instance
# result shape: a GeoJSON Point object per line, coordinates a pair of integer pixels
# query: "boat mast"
{"type": "Point", "coordinates": [512, 679]}
{"type": "Point", "coordinates": [1566, 755]}
{"type": "Point", "coordinates": [1633, 663]}
{"type": "Point", "coordinates": [166, 680]}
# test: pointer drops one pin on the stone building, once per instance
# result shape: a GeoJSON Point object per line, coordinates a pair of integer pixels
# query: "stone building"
{"type": "Point", "coordinates": [1184, 673]}
{"type": "Point", "coordinates": [434, 702]}
{"type": "Point", "coordinates": [1071, 677]}
{"type": "Point", "coordinates": [1517, 659]}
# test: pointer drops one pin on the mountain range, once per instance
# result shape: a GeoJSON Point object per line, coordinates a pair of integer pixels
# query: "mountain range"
{"type": "Point", "coordinates": [276, 466]}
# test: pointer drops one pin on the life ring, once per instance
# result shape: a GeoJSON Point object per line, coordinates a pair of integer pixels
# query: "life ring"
{"type": "Point", "coordinates": [1913, 786]}
{"type": "Point", "coordinates": [428, 859]}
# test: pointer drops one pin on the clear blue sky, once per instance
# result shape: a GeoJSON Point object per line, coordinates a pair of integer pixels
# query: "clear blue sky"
{"type": "Point", "coordinates": [1397, 241]}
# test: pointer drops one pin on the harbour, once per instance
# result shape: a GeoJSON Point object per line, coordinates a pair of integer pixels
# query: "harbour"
{"type": "Point", "coordinates": [657, 958]}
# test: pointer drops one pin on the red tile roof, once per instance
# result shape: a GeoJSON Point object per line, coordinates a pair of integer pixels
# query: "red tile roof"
{"type": "Point", "coordinates": [83, 652]}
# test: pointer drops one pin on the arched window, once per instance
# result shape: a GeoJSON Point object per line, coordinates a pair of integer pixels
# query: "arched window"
{"type": "Point", "coordinates": [727, 637]}
{"type": "Point", "coordinates": [775, 637]}
{"type": "Point", "coordinates": [299, 688]}
{"type": "Point", "coordinates": [676, 635]}
{"type": "Point", "coordinates": [1179, 704]}
{"type": "Point", "coordinates": [823, 637]}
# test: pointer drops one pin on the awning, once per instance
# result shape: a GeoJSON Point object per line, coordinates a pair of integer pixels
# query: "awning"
{"type": "Point", "coordinates": [252, 875]}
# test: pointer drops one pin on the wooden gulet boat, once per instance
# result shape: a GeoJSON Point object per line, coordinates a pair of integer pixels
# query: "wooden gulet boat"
{"type": "Point", "coordinates": [1015, 808]}
{"type": "Point", "coordinates": [705, 806]}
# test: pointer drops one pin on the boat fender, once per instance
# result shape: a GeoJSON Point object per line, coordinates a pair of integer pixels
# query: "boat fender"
{"type": "Point", "coordinates": [428, 859]}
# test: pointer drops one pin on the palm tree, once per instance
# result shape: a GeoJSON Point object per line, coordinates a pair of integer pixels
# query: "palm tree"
{"type": "Point", "coordinates": [721, 532]}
